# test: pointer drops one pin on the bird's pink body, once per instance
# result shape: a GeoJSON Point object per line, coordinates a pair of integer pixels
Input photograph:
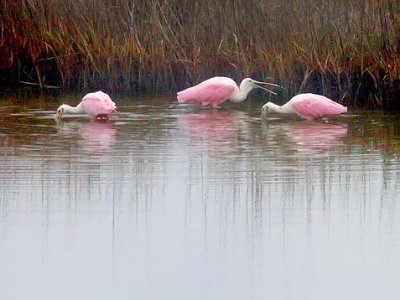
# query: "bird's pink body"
{"type": "Point", "coordinates": [217, 90]}
{"type": "Point", "coordinates": [309, 106]}
{"type": "Point", "coordinates": [97, 104]}
{"type": "Point", "coordinates": [213, 91]}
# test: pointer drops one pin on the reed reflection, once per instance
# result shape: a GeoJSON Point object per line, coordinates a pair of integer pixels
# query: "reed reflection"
{"type": "Point", "coordinates": [211, 196]}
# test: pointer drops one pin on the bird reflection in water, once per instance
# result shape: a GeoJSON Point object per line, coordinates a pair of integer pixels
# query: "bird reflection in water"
{"type": "Point", "coordinates": [3, 140]}
{"type": "Point", "coordinates": [210, 123]}
{"type": "Point", "coordinates": [314, 134]}
{"type": "Point", "coordinates": [306, 136]}
{"type": "Point", "coordinates": [93, 136]}
{"type": "Point", "coordinates": [97, 135]}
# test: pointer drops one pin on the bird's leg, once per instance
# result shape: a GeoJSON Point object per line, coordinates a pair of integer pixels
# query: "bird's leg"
{"type": "Point", "coordinates": [102, 117]}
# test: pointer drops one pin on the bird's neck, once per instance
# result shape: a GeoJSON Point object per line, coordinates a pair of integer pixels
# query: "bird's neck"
{"type": "Point", "coordinates": [240, 94]}
{"type": "Point", "coordinates": [73, 109]}
{"type": "Point", "coordinates": [284, 109]}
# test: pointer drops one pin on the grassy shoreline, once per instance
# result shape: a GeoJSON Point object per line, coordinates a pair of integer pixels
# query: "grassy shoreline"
{"type": "Point", "coordinates": [347, 50]}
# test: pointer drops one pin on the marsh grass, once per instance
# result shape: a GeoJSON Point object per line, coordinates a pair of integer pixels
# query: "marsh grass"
{"type": "Point", "coordinates": [347, 50]}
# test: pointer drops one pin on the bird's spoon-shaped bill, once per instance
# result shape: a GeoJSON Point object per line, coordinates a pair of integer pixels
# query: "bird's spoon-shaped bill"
{"type": "Point", "coordinates": [260, 83]}
{"type": "Point", "coordinates": [266, 83]}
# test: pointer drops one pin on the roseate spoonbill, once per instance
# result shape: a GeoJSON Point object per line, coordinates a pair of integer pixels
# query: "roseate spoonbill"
{"type": "Point", "coordinates": [217, 90]}
{"type": "Point", "coordinates": [309, 106]}
{"type": "Point", "coordinates": [96, 105]}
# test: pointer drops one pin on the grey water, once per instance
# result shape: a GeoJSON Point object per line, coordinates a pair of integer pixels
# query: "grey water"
{"type": "Point", "coordinates": [168, 201]}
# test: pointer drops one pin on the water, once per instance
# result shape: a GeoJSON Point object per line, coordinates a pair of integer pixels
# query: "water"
{"type": "Point", "coordinates": [170, 201]}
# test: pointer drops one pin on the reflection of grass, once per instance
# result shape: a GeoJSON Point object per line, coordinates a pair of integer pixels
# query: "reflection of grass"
{"type": "Point", "coordinates": [345, 49]}
{"type": "Point", "coordinates": [20, 126]}
{"type": "Point", "coordinates": [17, 102]}
{"type": "Point", "coordinates": [22, 130]}
{"type": "Point", "coordinates": [377, 131]}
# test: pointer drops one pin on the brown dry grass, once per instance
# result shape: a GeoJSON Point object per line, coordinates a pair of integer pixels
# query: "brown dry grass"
{"type": "Point", "coordinates": [345, 49]}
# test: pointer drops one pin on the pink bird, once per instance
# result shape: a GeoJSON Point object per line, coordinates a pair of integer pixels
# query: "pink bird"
{"type": "Point", "coordinates": [309, 106]}
{"type": "Point", "coordinates": [216, 90]}
{"type": "Point", "coordinates": [96, 105]}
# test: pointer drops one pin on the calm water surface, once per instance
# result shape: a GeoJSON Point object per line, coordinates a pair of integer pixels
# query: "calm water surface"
{"type": "Point", "coordinates": [170, 201]}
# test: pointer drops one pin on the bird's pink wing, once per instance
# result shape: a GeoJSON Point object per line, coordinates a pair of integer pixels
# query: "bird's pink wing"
{"type": "Point", "coordinates": [98, 103]}
{"type": "Point", "coordinates": [311, 106]}
{"type": "Point", "coordinates": [208, 92]}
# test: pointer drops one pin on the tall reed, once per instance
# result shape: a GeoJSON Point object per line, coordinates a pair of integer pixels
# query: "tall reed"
{"type": "Point", "coordinates": [348, 50]}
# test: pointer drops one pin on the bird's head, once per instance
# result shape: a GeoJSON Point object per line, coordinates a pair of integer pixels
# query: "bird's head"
{"type": "Point", "coordinates": [266, 109]}
{"type": "Point", "coordinates": [60, 111]}
{"type": "Point", "coordinates": [249, 84]}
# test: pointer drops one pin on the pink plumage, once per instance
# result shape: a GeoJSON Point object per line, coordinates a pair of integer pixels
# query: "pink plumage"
{"type": "Point", "coordinates": [213, 91]}
{"type": "Point", "coordinates": [311, 106]}
{"type": "Point", "coordinates": [98, 103]}
{"type": "Point", "coordinates": [216, 90]}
